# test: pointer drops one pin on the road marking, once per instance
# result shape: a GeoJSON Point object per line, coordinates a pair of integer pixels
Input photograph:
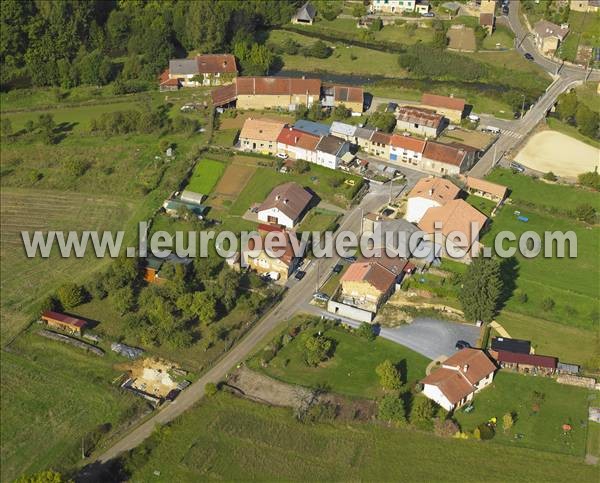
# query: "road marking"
{"type": "Point", "coordinates": [511, 134]}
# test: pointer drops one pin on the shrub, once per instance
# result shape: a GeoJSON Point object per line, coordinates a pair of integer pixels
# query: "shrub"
{"type": "Point", "coordinates": [550, 176]}
{"type": "Point", "coordinates": [445, 428]}
{"type": "Point", "coordinates": [317, 349]}
{"type": "Point", "coordinates": [389, 376]}
{"type": "Point", "coordinates": [319, 49]}
{"type": "Point", "coordinates": [366, 331]}
{"type": "Point", "coordinates": [507, 421]}
{"type": "Point", "coordinates": [590, 179]}
{"type": "Point", "coordinates": [210, 389]}
{"type": "Point", "coordinates": [76, 167]}
{"type": "Point", "coordinates": [523, 298]}
{"type": "Point", "coordinates": [70, 295]}
{"type": "Point", "coordinates": [586, 212]}
{"type": "Point", "coordinates": [376, 25]}
{"type": "Point", "coordinates": [548, 304]}
{"type": "Point", "coordinates": [391, 409]}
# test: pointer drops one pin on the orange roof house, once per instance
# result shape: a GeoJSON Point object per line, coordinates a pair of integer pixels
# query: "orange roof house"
{"type": "Point", "coordinates": [459, 378]}
{"type": "Point", "coordinates": [451, 107]}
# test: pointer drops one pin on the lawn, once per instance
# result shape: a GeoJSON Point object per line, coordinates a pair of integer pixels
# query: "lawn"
{"type": "Point", "coordinates": [319, 220]}
{"type": "Point", "coordinates": [569, 344]}
{"type": "Point", "coordinates": [593, 439]}
{"type": "Point", "coordinates": [333, 281]}
{"type": "Point", "coordinates": [351, 370]}
{"type": "Point", "coordinates": [52, 396]}
{"type": "Point", "coordinates": [232, 439]}
{"type": "Point", "coordinates": [541, 430]}
{"type": "Point", "coordinates": [502, 35]}
{"type": "Point", "coordinates": [482, 204]}
{"type": "Point", "coordinates": [206, 175]}
{"type": "Point", "coordinates": [317, 178]}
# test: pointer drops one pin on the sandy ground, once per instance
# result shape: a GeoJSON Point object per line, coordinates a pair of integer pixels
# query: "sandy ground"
{"type": "Point", "coordinates": [559, 153]}
{"type": "Point", "coordinates": [151, 375]}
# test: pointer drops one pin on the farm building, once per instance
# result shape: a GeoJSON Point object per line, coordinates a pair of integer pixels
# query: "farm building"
{"type": "Point", "coordinates": [188, 196]}
{"type": "Point", "coordinates": [518, 346]}
{"type": "Point", "coordinates": [419, 121]}
{"type": "Point", "coordinates": [527, 363]}
{"type": "Point", "coordinates": [305, 14]}
{"type": "Point", "coordinates": [205, 70]}
{"type": "Point", "coordinates": [63, 322]}
{"type": "Point", "coordinates": [352, 98]}
{"type": "Point", "coordinates": [451, 107]}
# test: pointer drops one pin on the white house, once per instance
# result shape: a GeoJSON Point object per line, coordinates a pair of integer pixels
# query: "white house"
{"type": "Point", "coordinates": [285, 205]}
{"type": "Point", "coordinates": [429, 193]}
{"type": "Point", "coordinates": [330, 151]}
{"type": "Point", "coordinates": [406, 149]}
{"type": "Point", "coordinates": [393, 6]}
{"type": "Point", "coordinates": [458, 379]}
{"type": "Point", "coordinates": [298, 144]}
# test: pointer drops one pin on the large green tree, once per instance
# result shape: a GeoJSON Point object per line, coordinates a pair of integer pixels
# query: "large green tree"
{"type": "Point", "coordinates": [481, 289]}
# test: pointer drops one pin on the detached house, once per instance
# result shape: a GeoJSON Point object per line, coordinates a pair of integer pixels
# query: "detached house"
{"type": "Point", "coordinates": [429, 193]}
{"type": "Point", "coordinates": [260, 135]}
{"type": "Point", "coordinates": [548, 36]}
{"type": "Point", "coordinates": [451, 107]}
{"type": "Point", "coordinates": [330, 151]}
{"type": "Point", "coordinates": [368, 283]}
{"type": "Point", "coordinates": [276, 92]}
{"type": "Point", "coordinates": [202, 70]}
{"type": "Point", "coordinates": [458, 379]}
{"type": "Point", "coordinates": [285, 205]}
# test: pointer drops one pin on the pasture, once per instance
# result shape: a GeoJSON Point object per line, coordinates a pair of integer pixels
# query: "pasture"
{"type": "Point", "coordinates": [351, 370]}
{"type": "Point", "coordinates": [54, 395]}
{"type": "Point", "coordinates": [206, 175]}
{"type": "Point", "coordinates": [541, 407]}
{"type": "Point", "coordinates": [232, 439]}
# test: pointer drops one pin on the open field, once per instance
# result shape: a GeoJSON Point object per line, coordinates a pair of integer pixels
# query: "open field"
{"type": "Point", "coordinates": [593, 440]}
{"type": "Point", "coordinates": [344, 60]}
{"type": "Point", "coordinates": [563, 155]}
{"type": "Point", "coordinates": [351, 370]}
{"type": "Point", "coordinates": [52, 396]}
{"type": "Point", "coordinates": [502, 35]}
{"type": "Point", "coordinates": [461, 39]}
{"type": "Point", "coordinates": [206, 175]}
{"type": "Point", "coordinates": [228, 438]}
{"type": "Point", "coordinates": [542, 429]}
{"type": "Point", "coordinates": [31, 210]}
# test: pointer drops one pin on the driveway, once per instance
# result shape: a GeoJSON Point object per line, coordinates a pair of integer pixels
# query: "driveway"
{"type": "Point", "coordinates": [429, 337]}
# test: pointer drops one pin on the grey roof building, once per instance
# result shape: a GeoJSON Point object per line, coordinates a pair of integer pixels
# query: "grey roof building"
{"type": "Point", "coordinates": [305, 14]}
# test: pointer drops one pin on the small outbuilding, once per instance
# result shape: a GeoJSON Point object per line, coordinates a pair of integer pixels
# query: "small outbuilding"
{"type": "Point", "coordinates": [63, 322]}
{"type": "Point", "coordinates": [305, 15]}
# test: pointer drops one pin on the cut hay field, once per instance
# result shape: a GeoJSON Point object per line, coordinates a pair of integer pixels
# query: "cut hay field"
{"type": "Point", "coordinates": [231, 439]}
{"type": "Point", "coordinates": [53, 396]}
{"type": "Point", "coordinates": [25, 280]}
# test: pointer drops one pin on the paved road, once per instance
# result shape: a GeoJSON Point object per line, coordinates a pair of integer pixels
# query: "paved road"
{"type": "Point", "coordinates": [429, 337]}
{"type": "Point", "coordinates": [294, 299]}
{"type": "Point", "coordinates": [565, 78]}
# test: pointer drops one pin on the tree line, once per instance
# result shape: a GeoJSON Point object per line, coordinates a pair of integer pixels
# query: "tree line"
{"type": "Point", "coordinates": [71, 42]}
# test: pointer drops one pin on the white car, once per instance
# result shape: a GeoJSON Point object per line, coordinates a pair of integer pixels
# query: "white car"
{"type": "Point", "coordinates": [473, 117]}
{"type": "Point", "coordinates": [282, 155]}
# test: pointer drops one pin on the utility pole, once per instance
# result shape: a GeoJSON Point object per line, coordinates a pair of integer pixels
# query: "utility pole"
{"type": "Point", "coordinates": [391, 184]}
{"type": "Point", "coordinates": [495, 149]}
{"type": "Point", "coordinates": [522, 106]}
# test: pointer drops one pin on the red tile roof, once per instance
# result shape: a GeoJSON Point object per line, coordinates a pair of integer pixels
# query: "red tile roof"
{"type": "Point", "coordinates": [436, 189]}
{"type": "Point", "coordinates": [444, 153]}
{"type": "Point", "coordinates": [288, 255]}
{"type": "Point", "coordinates": [381, 138]}
{"type": "Point", "coordinates": [164, 80]}
{"type": "Point", "coordinates": [444, 102]}
{"type": "Point", "coordinates": [348, 94]}
{"type": "Point", "coordinates": [65, 319]}
{"type": "Point", "coordinates": [294, 137]}
{"type": "Point", "coordinates": [450, 383]}
{"type": "Point", "coordinates": [408, 143]}
{"type": "Point", "coordinates": [277, 86]}
{"type": "Point", "coordinates": [224, 95]}
{"type": "Point", "coordinates": [478, 365]}
{"type": "Point", "coordinates": [528, 359]}
{"type": "Point", "coordinates": [216, 63]}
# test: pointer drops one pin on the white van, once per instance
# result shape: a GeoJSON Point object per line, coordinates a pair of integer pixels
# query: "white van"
{"type": "Point", "coordinates": [473, 117]}
{"type": "Point", "coordinates": [492, 129]}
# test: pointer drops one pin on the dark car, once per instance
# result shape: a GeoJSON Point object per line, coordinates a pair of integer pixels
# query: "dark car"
{"type": "Point", "coordinates": [351, 259]}
{"type": "Point", "coordinates": [173, 393]}
{"type": "Point", "coordinates": [337, 268]}
{"type": "Point", "coordinates": [528, 56]}
{"type": "Point", "coordinates": [462, 344]}
{"type": "Point", "coordinates": [299, 275]}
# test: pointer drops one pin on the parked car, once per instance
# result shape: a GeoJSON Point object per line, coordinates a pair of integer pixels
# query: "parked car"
{"type": "Point", "coordinates": [351, 259]}
{"type": "Point", "coordinates": [462, 344]}
{"type": "Point", "coordinates": [282, 155]}
{"type": "Point", "coordinates": [492, 129]}
{"type": "Point", "coordinates": [517, 167]}
{"type": "Point", "coordinates": [321, 296]}
{"type": "Point", "coordinates": [299, 275]}
{"type": "Point", "coordinates": [428, 14]}
{"type": "Point", "coordinates": [473, 117]}
{"type": "Point", "coordinates": [528, 56]}
{"type": "Point", "coordinates": [173, 393]}
{"type": "Point", "coordinates": [337, 268]}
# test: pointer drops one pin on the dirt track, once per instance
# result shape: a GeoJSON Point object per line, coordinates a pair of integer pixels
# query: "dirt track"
{"type": "Point", "coordinates": [559, 153]}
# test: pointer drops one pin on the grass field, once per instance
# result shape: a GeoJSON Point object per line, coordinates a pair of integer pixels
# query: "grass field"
{"type": "Point", "coordinates": [232, 439]}
{"type": "Point", "coordinates": [344, 60]}
{"type": "Point", "coordinates": [206, 175]}
{"type": "Point", "coordinates": [502, 35]}
{"type": "Point", "coordinates": [593, 439]}
{"type": "Point", "coordinates": [317, 179]}
{"type": "Point", "coordinates": [52, 396]}
{"type": "Point", "coordinates": [319, 220]}
{"type": "Point", "coordinates": [541, 430]}
{"type": "Point", "coordinates": [351, 370]}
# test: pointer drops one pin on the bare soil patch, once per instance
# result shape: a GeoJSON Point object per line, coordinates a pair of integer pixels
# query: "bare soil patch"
{"type": "Point", "coordinates": [461, 38]}
{"type": "Point", "coordinates": [151, 375]}
{"type": "Point", "coordinates": [563, 155]}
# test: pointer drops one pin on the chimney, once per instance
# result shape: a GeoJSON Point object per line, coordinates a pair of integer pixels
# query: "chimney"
{"type": "Point", "coordinates": [277, 198]}
{"type": "Point", "coordinates": [430, 192]}
{"type": "Point", "coordinates": [296, 138]}
{"type": "Point", "coordinates": [285, 202]}
{"type": "Point", "coordinates": [465, 367]}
